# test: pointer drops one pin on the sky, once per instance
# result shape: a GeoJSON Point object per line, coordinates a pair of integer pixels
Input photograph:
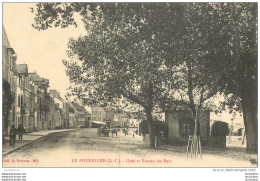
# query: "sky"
{"type": "Point", "coordinates": [43, 51]}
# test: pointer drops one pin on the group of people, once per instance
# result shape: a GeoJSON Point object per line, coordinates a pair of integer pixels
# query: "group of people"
{"type": "Point", "coordinates": [13, 133]}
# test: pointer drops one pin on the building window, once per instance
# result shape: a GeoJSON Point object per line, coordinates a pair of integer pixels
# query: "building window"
{"type": "Point", "coordinates": [14, 84]}
{"type": "Point", "coordinates": [19, 100]}
{"type": "Point", "coordinates": [11, 84]}
{"type": "Point", "coordinates": [19, 81]}
{"type": "Point", "coordinates": [186, 128]}
{"type": "Point", "coordinates": [10, 62]}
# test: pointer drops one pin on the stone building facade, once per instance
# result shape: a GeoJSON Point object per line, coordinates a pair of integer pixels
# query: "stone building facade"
{"type": "Point", "coordinates": [9, 73]}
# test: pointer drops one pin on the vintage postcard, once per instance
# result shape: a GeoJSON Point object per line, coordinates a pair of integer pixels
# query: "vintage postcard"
{"type": "Point", "coordinates": [130, 85]}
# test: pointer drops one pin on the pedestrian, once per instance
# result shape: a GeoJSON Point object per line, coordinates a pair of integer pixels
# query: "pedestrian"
{"type": "Point", "coordinates": [20, 132]}
{"type": "Point", "coordinates": [13, 132]}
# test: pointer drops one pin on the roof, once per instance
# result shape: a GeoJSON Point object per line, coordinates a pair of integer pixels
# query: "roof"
{"type": "Point", "coordinates": [5, 39]}
{"type": "Point", "coordinates": [75, 104]}
{"type": "Point", "coordinates": [45, 81]}
{"type": "Point", "coordinates": [35, 77]}
{"type": "Point", "coordinates": [22, 68]}
{"type": "Point", "coordinates": [78, 107]}
{"type": "Point", "coordinates": [11, 50]}
{"type": "Point", "coordinates": [83, 109]}
{"type": "Point", "coordinates": [179, 106]}
{"type": "Point", "coordinates": [54, 92]}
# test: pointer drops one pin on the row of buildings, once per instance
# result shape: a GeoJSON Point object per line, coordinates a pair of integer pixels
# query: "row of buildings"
{"type": "Point", "coordinates": [115, 117]}
{"type": "Point", "coordinates": [34, 105]}
{"type": "Point", "coordinates": [37, 107]}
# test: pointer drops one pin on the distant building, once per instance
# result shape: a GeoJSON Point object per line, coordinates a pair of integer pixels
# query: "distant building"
{"type": "Point", "coordinates": [83, 116]}
{"type": "Point", "coordinates": [41, 104]}
{"type": "Point", "coordinates": [51, 112]}
{"type": "Point", "coordinates": [23, 96]}
{"type": "Point", "coordinates": [61, 110]}
{"type": "Point", "coordinates": [109, 113]}
{"type": "Point", "coordinates": [57, 116]}
{"type": "Point", "coordinates": [133, 122]}
{"type": "Point", "coordinates": [87, 119]}
{"type": "Point", "coordinates": [121, 119]}
{"type": "Point", "coordinates": [134, 119]}
{"type": "Point", "coordinates": [109, 116]}
{"type": "Point", "coordinates": [98, 114]}
{"type": "Point", "coordinates": [73, 116]}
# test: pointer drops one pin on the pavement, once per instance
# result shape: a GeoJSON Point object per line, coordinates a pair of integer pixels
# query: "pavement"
{"type": "Point", "coordinates": [84, 148]}
{"type": "Point", "coordinates": [27, 139]}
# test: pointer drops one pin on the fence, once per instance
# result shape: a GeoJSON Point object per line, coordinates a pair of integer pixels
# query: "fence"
{"type": "Point", "coordinates": [218, 142]}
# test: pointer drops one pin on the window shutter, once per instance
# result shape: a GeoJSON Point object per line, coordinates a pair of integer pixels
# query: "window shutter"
{"type": "Point", "coordinates": [19, 103]}
{"type": "Point", "coordinates": [21, 100]}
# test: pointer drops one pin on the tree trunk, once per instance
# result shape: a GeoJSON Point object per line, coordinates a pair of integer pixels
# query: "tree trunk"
{"type": "Point", "coordinates": [150, 128]}
{"type": "Point", "coordinates": [195, 128]}
{"type": "Point", "coordinates": [198, 128]}
{"type": "Point", "coordinates": [250, 121]}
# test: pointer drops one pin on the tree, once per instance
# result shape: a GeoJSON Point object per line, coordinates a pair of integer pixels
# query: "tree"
{"type": "Point", "coordinates": [232, 57]}
{"type": "Point", "coordinates": [116, 61]}
{"type": "Point", "coordinates": [119, 57]}
{"type": "Point", "coordinates": [205, 47]}
{"type": "Point", "coordinates": [220, 56]}
{"type": "Point", "coordinates": [193, 86]}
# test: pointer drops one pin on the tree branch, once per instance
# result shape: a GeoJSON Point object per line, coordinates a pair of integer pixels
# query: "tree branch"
{"type": "Point", "coordinates": [133, 98]}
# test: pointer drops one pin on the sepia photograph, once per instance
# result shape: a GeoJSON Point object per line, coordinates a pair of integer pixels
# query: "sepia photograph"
{"type": "Point", "coordinates": [130, 84]}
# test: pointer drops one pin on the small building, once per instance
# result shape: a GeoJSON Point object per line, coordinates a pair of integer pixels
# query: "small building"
{"type": "Point", "coordinates": [181, 124]}
{"type": "Point", "coordinates": [238, 129]}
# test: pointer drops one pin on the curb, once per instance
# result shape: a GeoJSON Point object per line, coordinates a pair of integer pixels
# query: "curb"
{"type": "Point", "coordinates": [42, 136]}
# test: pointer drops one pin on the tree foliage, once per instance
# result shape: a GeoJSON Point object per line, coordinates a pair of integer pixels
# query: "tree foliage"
{"type": "Point", "coordinates": [116, 60]}
{"type": "Point", "coordinates": [234, 60]}
{"type": "Point", "coordinates": [219, 128]}
{"type": "Point", "coordinates": [151, 52]}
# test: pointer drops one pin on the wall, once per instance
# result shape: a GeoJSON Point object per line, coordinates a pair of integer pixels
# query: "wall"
{"type": "Point", "coordinates": [173, 118]}
{"type": "Point", "coordinates": [205, 124]}
{"type": "Point", "coordinates": [5, 58]}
